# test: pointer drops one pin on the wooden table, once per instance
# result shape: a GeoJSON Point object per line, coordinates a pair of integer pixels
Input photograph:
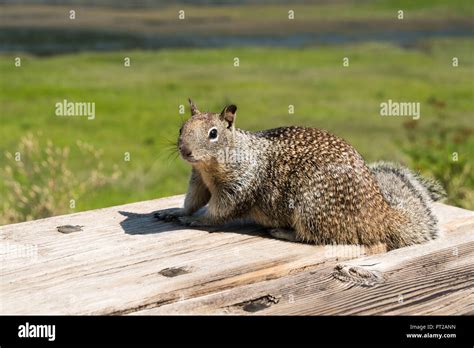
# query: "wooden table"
{"type": "Point", "coordinates": [123, 261]}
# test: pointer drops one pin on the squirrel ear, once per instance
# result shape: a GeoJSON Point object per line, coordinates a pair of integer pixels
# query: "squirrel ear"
{"type": "Point", "coordinates": [194, 109]}
{"type": "Point", "coordinates": [229, 114]}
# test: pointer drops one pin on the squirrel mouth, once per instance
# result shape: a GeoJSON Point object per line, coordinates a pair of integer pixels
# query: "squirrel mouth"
{"type": "Point", "coordinates": [189, 158]}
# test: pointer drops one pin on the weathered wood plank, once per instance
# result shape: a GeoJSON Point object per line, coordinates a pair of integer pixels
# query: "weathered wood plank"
{"type": "Point", "coordinates": [113, 265]}
{"type": "Point", "coordinates": [124, 261]}
{"type": "Point", "coordinates": [434, 278]}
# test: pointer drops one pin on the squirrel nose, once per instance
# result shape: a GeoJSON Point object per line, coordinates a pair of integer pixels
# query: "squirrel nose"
{"type": "Point", "coordinates": [185, 151]}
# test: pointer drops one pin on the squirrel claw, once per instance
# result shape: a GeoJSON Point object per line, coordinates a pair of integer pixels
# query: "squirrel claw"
{"type": "Point", "coordinates": [283, 234]}
{"type": "Point", "coordinates": [191, 221]}
{"type": "Point", "coordinates": [168, 215]}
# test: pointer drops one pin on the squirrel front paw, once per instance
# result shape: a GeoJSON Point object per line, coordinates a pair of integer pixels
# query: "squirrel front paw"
{"type": "Point", "coordinates": [170, 214]}
{"type": "Point", "coordinates": [193, 221]}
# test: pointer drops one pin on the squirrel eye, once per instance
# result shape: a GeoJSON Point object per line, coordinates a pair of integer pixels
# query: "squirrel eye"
{"type": "Point", "coordinates": [213, 133]}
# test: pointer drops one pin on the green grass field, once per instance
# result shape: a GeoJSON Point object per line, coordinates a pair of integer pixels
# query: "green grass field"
{"type": "Point", "coordinates": [137, 107]}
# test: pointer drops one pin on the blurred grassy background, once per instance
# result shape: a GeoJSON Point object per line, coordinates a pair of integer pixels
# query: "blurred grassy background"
{"type": "Point", "coordinates": [137, 107]}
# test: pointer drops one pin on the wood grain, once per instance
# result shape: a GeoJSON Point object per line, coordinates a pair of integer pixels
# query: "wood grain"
{"type": "Point", "coordinates": [122, 261]}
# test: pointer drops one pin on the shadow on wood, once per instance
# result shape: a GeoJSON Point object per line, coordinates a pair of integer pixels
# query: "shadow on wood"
{"type": "Point", "coordinates": [136, 224]}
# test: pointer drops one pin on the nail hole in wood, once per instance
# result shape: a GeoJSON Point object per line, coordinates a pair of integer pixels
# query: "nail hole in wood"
{"type": "Point", "coordinates": [258, 304]}
{"type": "Point", "coordinates": [174, 271]}
{"type": "Point", "coordinates": [69, 228]}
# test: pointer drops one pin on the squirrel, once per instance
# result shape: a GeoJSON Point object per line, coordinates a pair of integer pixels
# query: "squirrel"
{"type": "Point", "coordinates": [303, 184]}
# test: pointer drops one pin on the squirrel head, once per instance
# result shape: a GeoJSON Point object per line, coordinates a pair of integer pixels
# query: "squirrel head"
{"type": "Point", "coordinates": [203, 137]}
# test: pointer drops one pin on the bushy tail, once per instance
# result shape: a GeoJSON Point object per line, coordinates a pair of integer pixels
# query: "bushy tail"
{"type": "Point", "coordinates": [412, 196]}
{"type": "Point", "coordinates": [433, 187]}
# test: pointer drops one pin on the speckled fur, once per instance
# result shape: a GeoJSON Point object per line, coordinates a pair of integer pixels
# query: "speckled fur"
{"type": "Point", "coordinates": [304, 180]}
